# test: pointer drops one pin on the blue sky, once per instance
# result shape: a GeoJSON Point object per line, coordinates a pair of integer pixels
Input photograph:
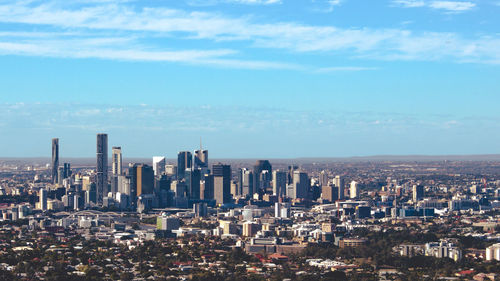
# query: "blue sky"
{"type": "Point", "coordinates": [253, 78]}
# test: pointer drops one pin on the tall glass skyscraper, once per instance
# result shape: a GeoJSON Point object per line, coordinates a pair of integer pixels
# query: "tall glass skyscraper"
{"type": "Point", "coordinates": [102, 167]}
{"type": "Point", "coordinates": [117, 160]}
{"type": "Point", "coordinates": [184, 161]}
{"type": "Point", "coordinates": [55, 159]}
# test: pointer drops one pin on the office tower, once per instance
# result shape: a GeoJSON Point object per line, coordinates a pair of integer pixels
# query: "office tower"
{"type": "Point", "coordinates": [60, 175]}
{"type": "Point", "coordinates": [184, 161]}
{"type": "Point", "coordinates": [207, 188]}
{"type": "Point", "coordinates": [281, 210]}
{"type": "Point", "coordinates": [179, 188]}
{"type": "Point", "coordinates": [200, 210]}
{"type": "Point", "coordinates": [91, 194]}
{"type": "Point", "coordinates": [66, 170]}
{"type": "Point", "coordinates": [102, 167]}
{"type": "Point", "coordinates": [330, 193]}
{"type": "Point", "coordinates": [159, 163]}
{"type": "Point", "coordinates": [235, 190]}
{"type": "Point", "coordinates": [201, 159]}
{"type": "Point", "coordinates": [222, 183]}
{"type": "Point", "coordinates": [43, 199]}
{"type": "Point", "coordinates": [261, 181]}
{"type": "Point", "coordinates": [339, 183]}
{"type": "Point", "coordinates": [291, 169]}
{"type": "Point", "coordinates": [245, 181]}
{"type": "Point", "coordinates": [279, 183]}
{"type": "Point", "coordinates": [55, 159]}
{"type": "Point", "coordinates": [117, 160]}
{"type": "Point", "coordinates": [170, 170]}
{"type": "Point", "coordinates": [300, 185]}
{"type": "Point", "coordinates": [418, 193]}
{"type": "Point", "coordinates": [192, 178]}
{"type": "Point", "coordinates": [323, 178]}
{"type": "Point", "coordinates": [141, 180]}
{"type": "Point", "coordinates": [354, 192]}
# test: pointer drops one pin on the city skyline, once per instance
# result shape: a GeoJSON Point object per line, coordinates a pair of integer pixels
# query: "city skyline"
{"type": "Point", "coordinates": [316, 78]}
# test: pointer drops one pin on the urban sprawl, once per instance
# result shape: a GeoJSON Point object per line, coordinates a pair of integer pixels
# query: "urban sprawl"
{"type": "Point", "coordinates": [301, 219]}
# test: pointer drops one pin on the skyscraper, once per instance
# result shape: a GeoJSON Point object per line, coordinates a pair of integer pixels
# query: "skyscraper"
{"type": "Point", "coordinates": [300, 185]}
{"type": "Point", "coordinates": [323, 178]}
{"type": "Point", "coordinates": [117, 160]}
{"type": "Point", "coordinates": [279, 183]}
{"type": "Point", "coordinates": [55, 159]}
{"type": "Point", "coordinates": [418, 193]}
{"type": "Point", "coordinates": [43, 199]}
{"type": "Point", "coordinates": [201, 159]}
{"type": "Point", "coordinates": [142, 179]}
{"type": "Point", "coordinates": [329, 193]}
{"type": "Point", "coordinates": [159, 163]}
{"type": "Point", "coordinates": [102, 167]}
{"type": "Point", "coordinates": [193, 177]}
{"type": "Point", "coordinates": [354, 191]}
{"type": "Point", "coordinates": [222, 183]}
{"type": "Point", "coordinates": [245, 181]}
{"type": "Point", "coordinates": [261, 180]}
{"type": "Point", "coordinates": [339, 183]}
{"type": "Point", "coordinates": [66, 170]}
{"type": "Point", "coordinates": [184, 161]}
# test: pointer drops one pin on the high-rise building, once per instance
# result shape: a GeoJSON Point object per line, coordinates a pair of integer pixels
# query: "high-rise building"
{"type": "Point", "coordinates": [141, 179]}
{"type": "Point", "coordinates": [117, 160]}
{"type": "Point", "coordinates": [339, 183]}
{"type": "Point", "coordinates": [43, 199]}
{"type": "Point", "coordinates": [102, 167]}
{"type": "Point", "coordinates": [207, 188]}
{"type": "Point", "coordinates": [66, 170]}
{"type": "Point", "coordinates": [291, 169]}
{"type": "Point", "coordinates": [330, 193]}
{"type": "Point", "coordinates": [418, 193]}
{"type": "Point", "coordinates": [201, 159]}
{"type": "Point", "coordinates": [354, 191]}
{"type": "Point", "coordinates": [193, 178]}
{"type": "Point", "coordinates": [222, 183]}
{"type": "Point", "coordinates": [300, 185]}
{"type": "Point", "coordinates": [323, 178]}
{"type": "Point", "coordinates": [279, 183]}
{"type": "Point", "coordinates": [55, 159]}
{"type": "Point", "coordinates": [159, 163]}
{"type": "Point", "coordinates": [245, 182]}
{"type": "Point", "coordinates": [184, 161]}
{"type": "Point", "coordinates": [262, 174]}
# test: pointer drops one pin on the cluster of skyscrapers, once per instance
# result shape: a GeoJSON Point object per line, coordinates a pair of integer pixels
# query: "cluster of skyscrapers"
{"type": "Point", "coordinates": [141, 186]}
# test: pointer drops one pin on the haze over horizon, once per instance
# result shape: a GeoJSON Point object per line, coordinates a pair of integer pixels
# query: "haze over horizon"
{"type": "Point", "coordinates": [254, 79]}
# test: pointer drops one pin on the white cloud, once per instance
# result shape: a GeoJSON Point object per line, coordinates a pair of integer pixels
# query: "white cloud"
{"type": "Point", "coordinates": [448, 6]}
{"type": "Point", "coordinates": [345, 68]}
{"type": "Point", "coordinates": [261, 2]}
{"type": "Point", "coordinates": [140, 24]}
{"type": "Point", "coordinates": [243, 2]}
{"type": "Point", "coordinates": [452, 6]}
{"type": "Point", "coordinates": [410, 3]}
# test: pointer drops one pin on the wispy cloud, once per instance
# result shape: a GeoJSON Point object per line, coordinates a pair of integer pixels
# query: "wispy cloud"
{"type": "Point", "coordinates": [139, 24]}
{"type": "Point", "coordinates": [243, 2]}
{"type": "Point", "coordinates": [345, 69]}
{"type": "Point", "coordinates": [452, 6]}
{"type": "Point", "coordinates": [447, 6]}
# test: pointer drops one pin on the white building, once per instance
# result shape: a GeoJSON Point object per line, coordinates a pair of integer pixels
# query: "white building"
{"type": "Point", "coordinates": [354, 191]}
{"type": "Point", "coordinates": [493, 252]}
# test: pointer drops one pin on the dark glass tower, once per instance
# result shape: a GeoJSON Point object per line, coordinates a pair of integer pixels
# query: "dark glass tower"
{"type": "Point", "coordinates": [184, 161]}
{"type": "Point", "coordinates": [222, 183]}
{"type": "Point", "coordinates": [55, 159]}
{"type": "Point", "coordinates": [193, 177]}
{"type": "Point", "coordinates": [102, 167]}
{"type": "Point", "coordinates": [260, 183]}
